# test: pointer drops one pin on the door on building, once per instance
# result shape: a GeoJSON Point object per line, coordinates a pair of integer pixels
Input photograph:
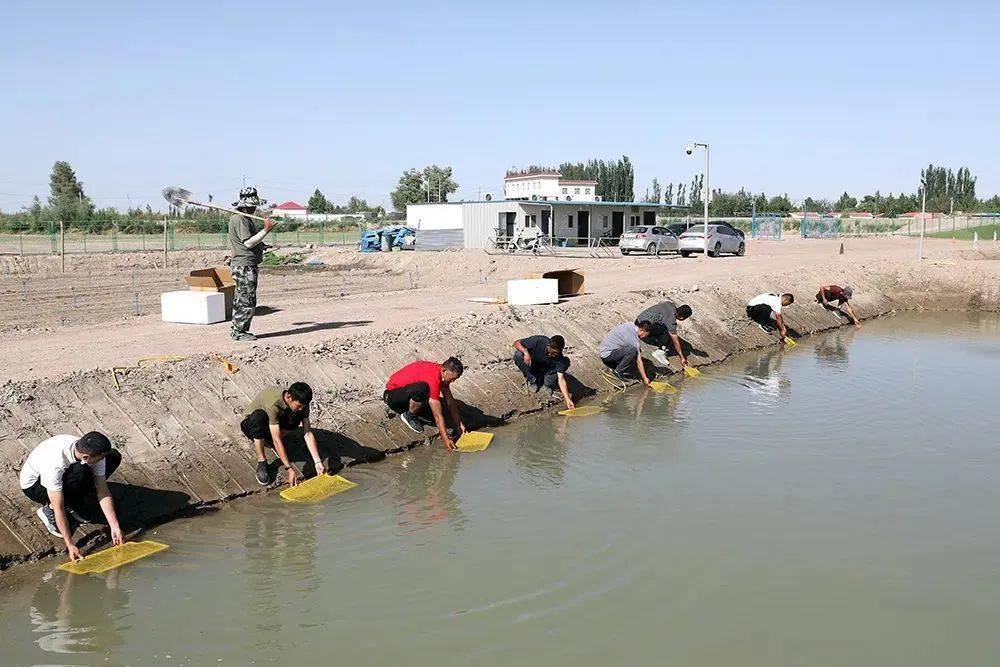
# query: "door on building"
{"type": "Point", "coordinates": [617, 224]}
{"type": "Point", "coordinates": [649, 218]}
{"type": "Point", "coordinates": [545, 221]}
{"type": "Point", "coordinates": [584, 218]}
{"type": "Point", "coordinates": [510, 222]}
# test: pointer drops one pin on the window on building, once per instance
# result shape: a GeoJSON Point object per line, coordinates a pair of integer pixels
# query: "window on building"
{"type": "Point", "coordinates": [570, 223]}
{"type": "Point", "coordinates": [604, 222]}
{"type": "Point", "coordinates": [565, 191]}
{"type": "Point", "coordinates": [576, 191]}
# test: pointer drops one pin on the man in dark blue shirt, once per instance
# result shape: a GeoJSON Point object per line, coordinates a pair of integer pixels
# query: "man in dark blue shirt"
{"type": "Point", "coordinates": [543, 363]}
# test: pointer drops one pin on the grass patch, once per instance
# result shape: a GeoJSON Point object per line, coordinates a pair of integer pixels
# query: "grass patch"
{"type": "Point", "coordinates": [274, 259]}
{"type": "Point", "coordinates": [985, 233]}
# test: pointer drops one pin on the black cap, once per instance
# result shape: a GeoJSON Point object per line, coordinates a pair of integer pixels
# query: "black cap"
{"type": "Point", "coordinates": [93, 444]}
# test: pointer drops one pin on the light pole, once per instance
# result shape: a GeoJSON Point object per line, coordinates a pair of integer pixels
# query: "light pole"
{"type": "Point", "coordinates": [689, 149]}
{"type": "Point", "coordinates": [923, 221]}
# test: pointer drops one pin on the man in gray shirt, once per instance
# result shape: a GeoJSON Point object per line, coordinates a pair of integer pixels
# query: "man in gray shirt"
{"type": "Point", "coordinates": [620, 350]}
{"type": "Point", "coordinates": [246, 240]}
{"type": "Point", "coordinates": [664, 317]}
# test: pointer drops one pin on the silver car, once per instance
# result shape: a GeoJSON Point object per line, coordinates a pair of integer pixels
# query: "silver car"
{"type": "Point", "coordinates": [721, 238]}
{"type": "Point", "coordinates": [649, 239]}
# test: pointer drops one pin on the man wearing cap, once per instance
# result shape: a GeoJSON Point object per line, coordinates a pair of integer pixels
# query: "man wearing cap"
{"type": "Point", "coordinates": [842, 295]}
{"type": "Point", "coordinates": [246, 240]}
{"type": "Point", "coordinates": [68, 477]}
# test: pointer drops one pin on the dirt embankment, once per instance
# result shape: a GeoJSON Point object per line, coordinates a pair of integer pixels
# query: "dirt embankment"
{"type": "Point", "coordinates": [177, 423]}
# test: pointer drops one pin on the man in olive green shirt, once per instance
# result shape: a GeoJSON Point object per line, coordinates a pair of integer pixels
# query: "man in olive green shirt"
{"type": "Point", "coordinates": [272, 415]}
{"type": "Point", "coordinates": [246, 241]}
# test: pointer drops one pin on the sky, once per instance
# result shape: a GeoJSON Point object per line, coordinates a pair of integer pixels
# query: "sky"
{"type": "Point", "coordinates": [802, 98]}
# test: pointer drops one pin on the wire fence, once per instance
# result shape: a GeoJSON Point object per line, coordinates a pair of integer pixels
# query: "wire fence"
{"type": "Point", "coordinates": [49, 237]}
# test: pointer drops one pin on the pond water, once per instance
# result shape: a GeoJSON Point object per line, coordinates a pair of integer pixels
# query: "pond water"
{"type": "Point", "coordinates": [833, 504]}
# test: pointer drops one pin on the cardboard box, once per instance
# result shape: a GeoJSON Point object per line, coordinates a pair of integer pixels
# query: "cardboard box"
{"type": "Point", "coordinates": [218, 279]}
{"type": "Point", "coordinates": [570, 280]}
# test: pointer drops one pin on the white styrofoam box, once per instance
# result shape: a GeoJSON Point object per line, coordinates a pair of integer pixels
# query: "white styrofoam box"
{"type": "Point", "coordinates": [533, 291]}
{"type": "Point", "coordinates": [192, 307]}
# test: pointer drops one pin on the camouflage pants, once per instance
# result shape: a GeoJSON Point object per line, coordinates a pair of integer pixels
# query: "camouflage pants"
{"type": "Point", "coordinates": [245, 299]}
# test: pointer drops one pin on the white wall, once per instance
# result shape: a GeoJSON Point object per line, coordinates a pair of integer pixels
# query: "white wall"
{"type": "Point", "coordinates": [571, 191]}
{"type": "Point", "coordinates": [434, 216]}
{"type": "Point", "coordinates": [525, 188]}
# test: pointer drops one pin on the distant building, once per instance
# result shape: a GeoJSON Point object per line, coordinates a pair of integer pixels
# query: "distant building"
{"type": "Point", "coordinates": [290, 209]}
{"type": "Point", "coordinates": [547, 186]}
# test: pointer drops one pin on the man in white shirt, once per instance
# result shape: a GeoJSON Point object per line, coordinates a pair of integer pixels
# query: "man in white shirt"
{"type": "Point", "coordinates": [68, 476]}
{"type": "Point", "coordinates": [765, 310]}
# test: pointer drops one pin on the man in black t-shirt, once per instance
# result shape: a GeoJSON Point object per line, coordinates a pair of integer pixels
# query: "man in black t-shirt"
{"type": "Point", "coordinates": [543, 364]}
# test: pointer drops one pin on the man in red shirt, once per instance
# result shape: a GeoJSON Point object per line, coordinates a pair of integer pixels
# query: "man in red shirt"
{"type": "Point", "coordinates": [842, 295]}
{"type": "Point", "coordinates": [414, 386]}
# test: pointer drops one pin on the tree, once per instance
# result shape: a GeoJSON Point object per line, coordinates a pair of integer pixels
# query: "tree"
{"type": "Point", "coordinates": [409, 190]}
{"type": "Point", "coordinates": [654, 196]}
{"type": "Point", "coordinates": [438, 183]}
{"type": "Point", "coordinates": [318, 203]}
{"type": "Point", "coordinates": [356, 205]}
{"type": "Point", "coordinates": [668, 194]}
{"type": "Point", "coordinates": [66, 198]}
{"type": "Point", "coordinates": [845, 203]}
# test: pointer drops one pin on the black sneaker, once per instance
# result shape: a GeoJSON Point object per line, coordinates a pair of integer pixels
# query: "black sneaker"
{"type": "Point", "coordinates": [412, 422]}
{"type": "Point", "coordinates": [48, 518]}
{"type": "Point", "coordinates": [247, 336]}
{"type": "Point", "coordinates": [530, 384]}
{"type": "Point", "coordinates": [263, 473]}
{"type": "Point", "coordinates": [765, 328]}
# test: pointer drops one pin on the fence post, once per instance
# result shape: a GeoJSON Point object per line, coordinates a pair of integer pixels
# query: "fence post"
{"type": "Point", "coordinates": [20, 240]}
{"type": "Point", "coordinates": [62, 246]}
{"type": "Point", "coordinates": [164, 243]}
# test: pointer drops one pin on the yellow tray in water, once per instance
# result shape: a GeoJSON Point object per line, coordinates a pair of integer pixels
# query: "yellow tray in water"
{"type": "Point", "coordinates": [692, 372]}
{"type": "Point", "coordinates": [109, 559]}
{"type": "Point", "coordinates": [662, 387]}
{"type": "Point", "coordinates": [474, 441]}
{"type": "Point", "coordinates": [317, 488]}
{"type": "Point", "coordinates": [582, 411]}
{"type": "Point", "coordinates": [789, 342]}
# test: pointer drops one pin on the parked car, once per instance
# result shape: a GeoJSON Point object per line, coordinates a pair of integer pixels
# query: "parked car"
{"type": "Point", "coordinates": [679, 228]}
{"type": "Point", "coordinates": [721, 238]}
{"type": "Point", "coordinates": [649, 239]}
{"type": "Point", "coordinates": [723, 223]}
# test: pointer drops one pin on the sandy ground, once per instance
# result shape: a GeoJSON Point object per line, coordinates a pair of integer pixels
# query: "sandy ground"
{"type": "Point", "coordinates": [54, 323]}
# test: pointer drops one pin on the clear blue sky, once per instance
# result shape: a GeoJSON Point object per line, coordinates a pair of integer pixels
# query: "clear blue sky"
{"type": "Point", "coordinates": [345, 96]}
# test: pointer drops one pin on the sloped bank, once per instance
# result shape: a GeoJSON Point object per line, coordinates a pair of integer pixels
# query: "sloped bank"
{"type": "Point", "coordinates": [177, 423]}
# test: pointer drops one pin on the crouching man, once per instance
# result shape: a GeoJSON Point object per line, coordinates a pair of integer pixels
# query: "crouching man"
{"type": "Point", "coordinates": [765, 310]}
{"type": "Point", "coordinates": [273, 414]}
{"type": "Point", "coordinates": [543, 364]}
{"type": "Point", "coordinates": [664, 317]}
{"type": "Point", "coordinates": [68, 477]}
{"type": "Point", "coordinates": [422, 384]}
{"type": "Point", "coordinates": [621, 351]}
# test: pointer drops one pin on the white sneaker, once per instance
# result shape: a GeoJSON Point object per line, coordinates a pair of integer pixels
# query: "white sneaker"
{"type": "Point", "coordinates": [48, 519]}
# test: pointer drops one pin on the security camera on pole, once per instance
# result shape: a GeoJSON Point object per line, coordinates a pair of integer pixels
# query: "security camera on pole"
{"type": "Point", "coordinates": [689, 149]}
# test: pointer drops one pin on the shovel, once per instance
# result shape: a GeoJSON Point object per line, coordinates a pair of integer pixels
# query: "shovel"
{"type": "Point", "coordinates": [180, 198]}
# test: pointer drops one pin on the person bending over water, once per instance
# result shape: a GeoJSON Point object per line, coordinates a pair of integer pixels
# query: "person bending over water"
{"type": "Point", "coordinates": [621, 352]}
{"type": "Point", "coordinates": [842, 295]}
{"type": "Point", "coordinates": [273, 414]}
{"type": "Point", "coordinates": [543, 364]}
{"type": "Point", "coordinates": [422, 384]}
{"type": "Point", "coordinates": [765, 310]}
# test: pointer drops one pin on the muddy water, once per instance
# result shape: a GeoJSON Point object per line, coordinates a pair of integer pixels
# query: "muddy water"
{"type": "Point", "coordinates": [835, 504]}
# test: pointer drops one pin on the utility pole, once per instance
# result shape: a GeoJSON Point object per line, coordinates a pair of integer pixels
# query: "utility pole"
{"type": "Point", "coordinates": [923, 221]}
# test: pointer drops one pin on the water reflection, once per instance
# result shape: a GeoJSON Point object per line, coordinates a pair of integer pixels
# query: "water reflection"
{"type": "Point", "coordinates": [762, 376]}
{"type": "Point", "coordinates": [831, 350]}
{"type": "Point", "coordinates": [281, 555]}
{"type": "Point", "coordinates": [540, 452]}
{"type": "Point", "coordinates": [79, 613]}
{"type": "Point", "coordinates": [424, 493]}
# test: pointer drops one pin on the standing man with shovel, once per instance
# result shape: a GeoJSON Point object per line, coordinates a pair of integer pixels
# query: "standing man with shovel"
{"type": "Point", "coordinates": [246, 239]}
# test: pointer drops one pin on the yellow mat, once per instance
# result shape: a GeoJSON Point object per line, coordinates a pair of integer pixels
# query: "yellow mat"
{"type": "Point", "coordinates": [582, 411]}
{"type": "Point", "coordinates": [317, 488]}
{"type": "Point", "coordinates": [789, 342]}
{"type": "Point", "coordinates": [692, 372]}
{"type": "Point", "coordinates": [662, 387]}
{"type": "Point", "coordinates": [474, 441]}
{"type": "Point", "coordinates": [109, 559]}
